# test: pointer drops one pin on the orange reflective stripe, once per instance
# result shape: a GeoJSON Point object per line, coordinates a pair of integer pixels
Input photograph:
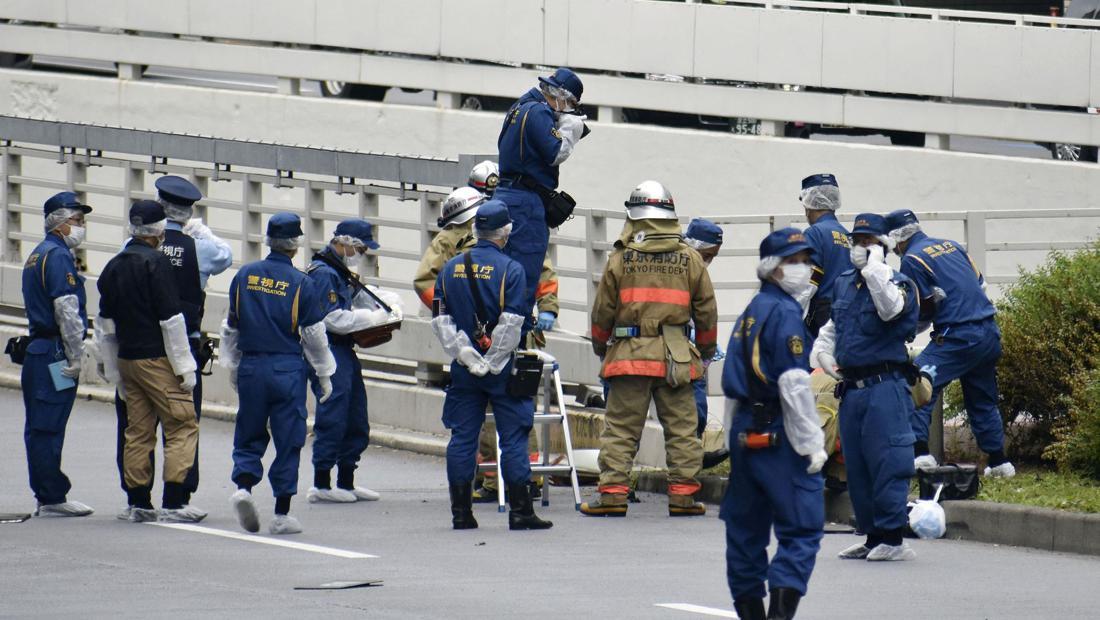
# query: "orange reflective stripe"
{"type": "Point", "coordinates": [706, 337]}
{"type": "Point", "coordinates": [619, 489]}
{"type": "Point", "coordinates": [681, 488]}
{"type": "Point", "coordinates": [426, 296]}
{"type": "Point", "coordinates": [642, 368]}
{"type": "Point", "coordinates": [673, 296]}
{"type": "Point", "coordinates": [600, 334]}
{"type": "Point", "coordinates": [549, 287]}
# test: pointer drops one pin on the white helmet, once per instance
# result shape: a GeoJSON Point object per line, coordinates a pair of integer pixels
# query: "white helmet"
{"type": "Point", "coordinates": [485, 176]}
{"type": "Point", "coordinates": [650, 201]}
{"type": "Point", "coordinates": [461, 206]}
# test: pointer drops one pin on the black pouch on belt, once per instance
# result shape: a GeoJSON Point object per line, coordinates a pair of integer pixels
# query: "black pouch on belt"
{"type": "Point", "coordinates": [526, 376]}
{"type": "Point", "coordinates": [557, 205]}
{"type": "Point", "coordinates": [205, 355]}
{"type": "Point", "coordinates": [17, 349]}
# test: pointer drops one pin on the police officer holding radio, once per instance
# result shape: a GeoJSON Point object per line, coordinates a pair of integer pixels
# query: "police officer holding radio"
{"type": "Point", "coordinates": [540, 132]}
{"type": "Point", "coordinates": [341, 430]}
{"type": "Point", "coordinates": [480, 304]}
{"type": "Point", "coordinates": [54, 297]}
{"type": "Point", "coordinates": [776, 444]}
{"type": "Point", "coordinates": [874, 315]}
{"type": "Point", "coordinates": [966, 342]}
{"type": "Point", "coordinates": [820, 197]}
{"type": "Point", "coordinates": [276, 314]}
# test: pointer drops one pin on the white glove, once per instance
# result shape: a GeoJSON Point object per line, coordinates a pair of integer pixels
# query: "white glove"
{"type": "Point", "coordinates": [858, 254]}
{"type": "Point", "coordinates": [472, 360]}
{"type": "Point", "coordinates": [233, 379]}
{"type": "Point", "coordinates": [196, 229]}
{"type": "Point", "coordinates": [817, 461]}
{"type": "Point", "coordinates": [326, 388]}
{"type": "Point", "coordinates": [827, 362]}
{"type": "Point", "coordinates": [188, 381]}
{"type": "Point", "coordinates": [875, 254]}
{"type": "Point", "coordinates": [572, 124]}
{"type": "Point", "coordinates": [72, 371]}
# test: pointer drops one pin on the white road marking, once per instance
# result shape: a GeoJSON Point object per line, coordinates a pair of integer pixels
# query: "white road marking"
{"type": "Point", "coordinates": [340, 553]}
{"type": "Point", "coordinates": [699, 609]}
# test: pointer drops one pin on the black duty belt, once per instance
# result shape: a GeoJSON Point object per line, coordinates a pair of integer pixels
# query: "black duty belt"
{"type": "Point", "coordinates": [859, 377]}
{"type": "Point", "coordinates": [634, 331]}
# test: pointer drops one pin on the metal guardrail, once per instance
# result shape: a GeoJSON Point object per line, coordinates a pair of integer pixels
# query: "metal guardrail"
{"type": "Point", "coordinates": [849, 50]}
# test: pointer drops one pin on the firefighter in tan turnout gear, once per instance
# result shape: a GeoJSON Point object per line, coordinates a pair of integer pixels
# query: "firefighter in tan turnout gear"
{"type": "Point", "coordinates": [653, 285]}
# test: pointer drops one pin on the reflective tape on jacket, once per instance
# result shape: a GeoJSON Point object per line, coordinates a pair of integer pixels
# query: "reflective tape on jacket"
{"type": "Point", "coordinates": [641, 368]}
{"type": "Point", "coordinates": [706, 337]}
{"type": "Point", "coordinates": [600, 334]}
{"type": "Point", "coordinates": [676, 297]}
{"type": "Point", "coordinates": [680, 488]}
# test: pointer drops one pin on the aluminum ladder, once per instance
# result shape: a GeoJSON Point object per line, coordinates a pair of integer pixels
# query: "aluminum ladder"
{"type": "Point", "coordinates": [551, 384]}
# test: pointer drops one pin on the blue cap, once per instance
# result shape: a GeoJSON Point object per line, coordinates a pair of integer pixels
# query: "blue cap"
{"type": "Point", "coordinates": [870, 224]}
{"type": "Point", "coordinates": [901, 217]}
{"type": "Point", "coordinates": [178, 190]}
{"type": "Point", "coordinates": [145, 212]}
{"type": "Point", "coordinates": [783, 243]}
{"type": "Point", "coordinates": [815, 180]}
{"type": "Point", "coordinates": [64, 200]}
{"type": "Point", "coordinates": [704, 230]}
{"type": "Point", "coordinates": [491, 215]}
{"type": "Point", "coordinates": [565, 78]}
{"type": "Point", "coordinates": [284, 226]}
{"type": "Point", "coordinates": [359, 229]}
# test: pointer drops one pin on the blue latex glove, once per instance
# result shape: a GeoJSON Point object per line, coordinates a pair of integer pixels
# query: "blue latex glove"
{"type": "Point", "coordinates": [719, 355]}
{"type": "Point", "coordinates": [546, 321]}
{"type": "Point", "coordinates": [929, 370]}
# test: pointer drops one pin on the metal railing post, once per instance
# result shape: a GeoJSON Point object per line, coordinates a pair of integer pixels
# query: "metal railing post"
{"type": "Point", "coordinates": [315, 225]}
{"type": "Point", "coordinates": [76, 174]}
{"type": "Point", "coordinates": [10, 193]}
{"type": "Point", "coordinates": [975, 238]}
{"type": "Point", "coordinates": [595, 230]}
{"type": "Point", "coordinates": [251, 221]}
{"type": "Point", "coordinates": [368, 209]}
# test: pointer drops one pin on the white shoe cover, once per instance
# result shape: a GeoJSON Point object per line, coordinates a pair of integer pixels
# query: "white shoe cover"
{"type": "Point", "coordinates": [334, 496]}
{"type": "Point", "coordinates": [284, 524]}
{"type": "Point", "coordinates": [857, 551]}
{"type": "Point", "coordinates": [186, 514]}
{"type": "Point", "coordinates": [142, 515]}
{"type": "Point", "coordinates": [64, 509]}
{"type": "Point", "coordinates": [925, 461]}
{"type": "Point", "coordinates": [124, 514]}
{"type": "Point", "coordinates": [245, 508]}
{"type": "Point", "coordinates": [364, 494]}
{"type": "Point", "coordinates": [892, 553]}
{"type": "Point", "coordinates": [1004, 470]}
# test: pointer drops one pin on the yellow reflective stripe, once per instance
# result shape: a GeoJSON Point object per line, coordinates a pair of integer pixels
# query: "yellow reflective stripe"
{"type": "Point", "coordinates": [294, 311]}
{"type": "Point", "coordinates": [502, 294]}
{"type": "Point", "coordinates": [44, 257]}
{"type": "Point", "coordinates": [977, 271]}
{"type": "Point", "coordinates": [522, 132]}
{"type": "Point", "coordinates": [756, 359]}
{"type": "Point", "coordinates": [924, 264]}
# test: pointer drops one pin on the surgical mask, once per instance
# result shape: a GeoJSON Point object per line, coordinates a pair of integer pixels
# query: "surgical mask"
{"type": "Point", "coordinates": [858, 255]}
{"type": "Point", "coordinates": [796, 277]}
{"type": "Point", "coordinates": [76, 236]}
{"type": "Point", "coordinates": [353, 261]}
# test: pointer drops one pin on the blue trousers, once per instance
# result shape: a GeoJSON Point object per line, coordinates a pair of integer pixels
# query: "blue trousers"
{"type": "Point", "coordinates": [464, 413]}
{"type": "Point", "coordinates": [271, 388]}
{"type": "Point", "coordinates": [700, 388]}
{"type": "Point", "coordinates": [769, 488]}
{"type": "Point", "coordinates": [878, 452]}
{"type": "Point", "coordinates": [529, 239]}
{"type": "Point", "coordinates": [969, 353]}
{"type": "Point", "coordinates": [47, 415]}
{"type": "Point", "coordinates": [341, 430]}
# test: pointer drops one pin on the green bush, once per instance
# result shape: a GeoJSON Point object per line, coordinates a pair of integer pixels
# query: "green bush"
{"type": "Point", "coordinates": [1077, 436]}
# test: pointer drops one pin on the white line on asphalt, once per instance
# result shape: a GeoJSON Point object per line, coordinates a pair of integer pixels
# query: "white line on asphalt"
{"type": "Point", "coordinates": [340, 553]}
{"type": "Point", "coordinates": [698, 609]}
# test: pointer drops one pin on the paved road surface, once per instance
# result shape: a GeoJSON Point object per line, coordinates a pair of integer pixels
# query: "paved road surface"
{"type": "Point", "coordinates": [609, 568]}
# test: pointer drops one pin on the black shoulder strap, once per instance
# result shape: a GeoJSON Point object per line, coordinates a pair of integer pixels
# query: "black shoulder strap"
{"type": "Point", "coordinates": [342, 270]}
{"type": "Point", "coordinates": [479, 306]}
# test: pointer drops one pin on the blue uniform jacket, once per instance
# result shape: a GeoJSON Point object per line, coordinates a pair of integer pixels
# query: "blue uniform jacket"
{"type": "Point", "coordinates": [529, 140]}
{"type": "Point", "coordinates": [500, 281]}
{"type": "Point", "coordinates": [933, 263]}
{"type": "Point", "coordinates": [831, 252]}
{"type": "Point", "coordinates": [862, 338]}
{"type": "Point", "coordinates": [332, 287]}
{"type": "Point", "coordinates": [49, 273]}
{"type": "Point", "coordinates": [777, 342]}
{"type": "Point", "coordinates": [269, 300]}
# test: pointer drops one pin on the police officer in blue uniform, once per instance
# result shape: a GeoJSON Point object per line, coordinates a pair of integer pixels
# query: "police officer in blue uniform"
{"type": "Point", "coordinates": [481, 334]}
{"type": "Point", "coordinates": [54, 297]}
{"type": "Point", "coordinates": [776, 444]}
{"type": "Point", "coordinates": [341, 430]}
{"type": "Point", "coordinates": [874, 315]}
{"type": "Point", "coordinates": [539, 134]}
{"type": "Point", "coordinates": [966, 342]}
{"type": "Point", "coordinates": [195, 254]}
{"type": "Point", "coordinates": [276, 314]}
{"type": "Point", "coordinates": [820, 197]}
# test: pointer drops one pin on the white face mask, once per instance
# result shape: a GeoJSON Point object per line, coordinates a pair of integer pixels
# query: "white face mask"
{"type": "Point", "coordinates": [76, 236]}
{"type": "Point", "coordinates": [353, 261]}
{"type": "Point", "coordinates": [796, 277]}
{"type": "Point", "coordinates": [858, 254]}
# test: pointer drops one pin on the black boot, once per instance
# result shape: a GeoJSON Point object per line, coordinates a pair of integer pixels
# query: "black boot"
{"type": "Point", "coordinates": [783, 604]}
{"type": "Point", "coordinates": [462, 513]}
{"type": "Point", "coordinates": [749, 608]}
{"type": "Point", "coordinates": [522, 515]}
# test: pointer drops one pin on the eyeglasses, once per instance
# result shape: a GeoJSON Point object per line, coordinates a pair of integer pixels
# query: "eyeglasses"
{"type": "Point", "coordinates": [76, 219]}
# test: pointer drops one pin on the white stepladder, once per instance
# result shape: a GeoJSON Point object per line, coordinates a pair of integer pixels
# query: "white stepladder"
{"type": "Point", "coordinates": [551, 384]}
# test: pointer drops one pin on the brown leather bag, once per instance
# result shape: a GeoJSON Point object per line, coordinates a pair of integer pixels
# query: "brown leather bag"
{"type": "Point", "coordinates": [374, 336]}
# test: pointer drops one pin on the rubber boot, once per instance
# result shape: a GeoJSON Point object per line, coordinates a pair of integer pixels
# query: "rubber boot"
{"type": "Point", "coordinates": [522, 515]}
{"type": "Point", "coordinates": [750, 608]}
{"type": "Point", "coordinates": [462, 513]}
{"type": "Point", "coordinates": [609, 505]}
{"type": "Point", "coordinates": [783, 604]}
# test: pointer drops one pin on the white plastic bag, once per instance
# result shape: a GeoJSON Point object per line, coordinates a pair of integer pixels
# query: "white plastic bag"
{"type": "Point", "coordinates": [927, 519]}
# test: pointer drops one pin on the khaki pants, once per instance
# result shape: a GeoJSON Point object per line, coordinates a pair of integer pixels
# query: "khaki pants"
{"type": "Point", "coordinates": [627, 406]}
{"type": "Point", "coordinates": [153, 393]}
